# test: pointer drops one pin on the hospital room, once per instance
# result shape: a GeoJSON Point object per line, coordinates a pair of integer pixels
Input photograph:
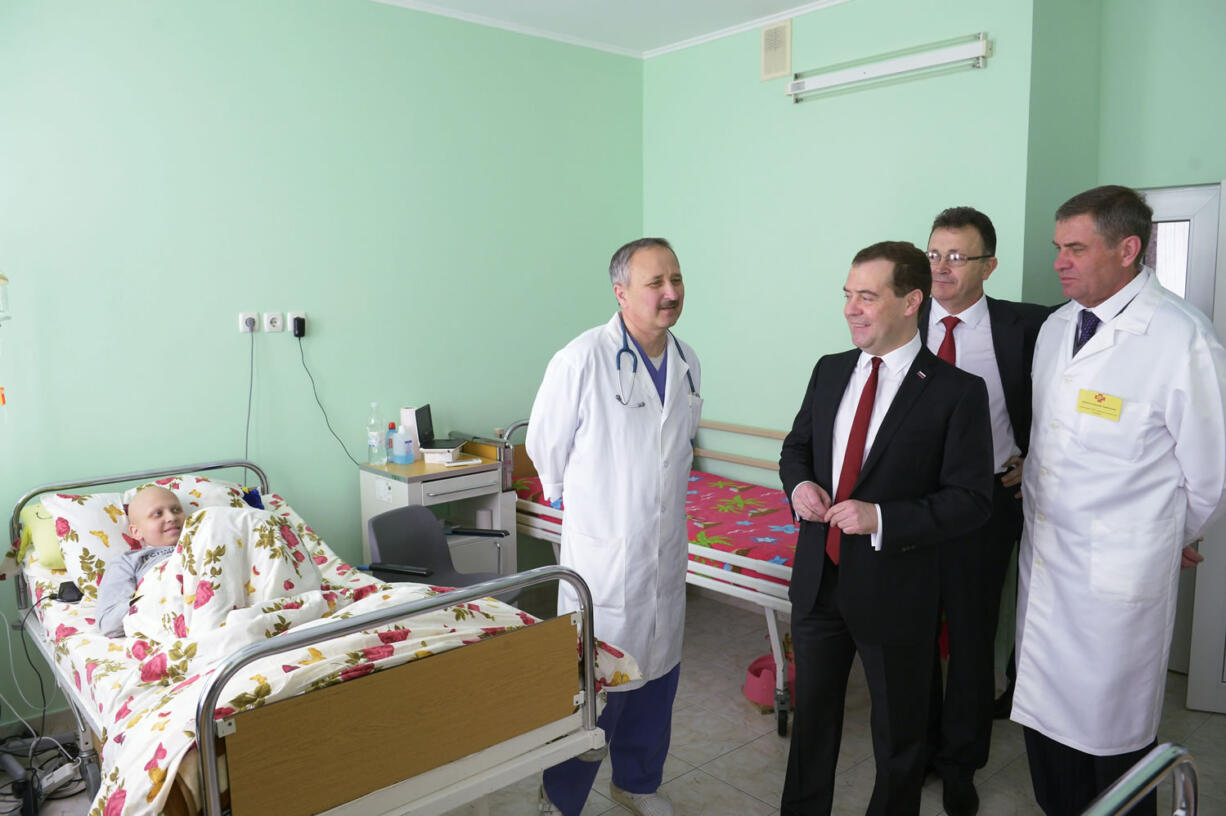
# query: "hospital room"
{"type": "Point", "coordinates": [250, 231]}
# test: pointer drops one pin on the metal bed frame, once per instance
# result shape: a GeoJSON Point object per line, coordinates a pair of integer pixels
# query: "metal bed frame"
{"type": "Point", "coordinates": [1167, 759]}
{"type": "Point", "coordinates": [432, 792]}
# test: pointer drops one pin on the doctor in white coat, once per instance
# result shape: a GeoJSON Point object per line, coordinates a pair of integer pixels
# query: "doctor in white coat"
{"type": "Point", "coordinates": [611, 435]}
{"type": "Point", "coordinates": [1127, 466]}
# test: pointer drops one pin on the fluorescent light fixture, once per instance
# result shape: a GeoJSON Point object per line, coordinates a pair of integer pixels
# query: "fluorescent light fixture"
{"type": "Point", "coordinates": [970, 53]}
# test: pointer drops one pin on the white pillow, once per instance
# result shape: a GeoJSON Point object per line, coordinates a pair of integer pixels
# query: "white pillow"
{"type": "Point", "coordinates": [91, 530]}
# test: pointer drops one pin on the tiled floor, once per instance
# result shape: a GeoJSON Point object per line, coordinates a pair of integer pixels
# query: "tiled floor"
{"type": "Point", "coordinates": [726, 759]}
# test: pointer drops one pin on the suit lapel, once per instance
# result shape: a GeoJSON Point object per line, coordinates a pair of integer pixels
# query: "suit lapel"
{"type": "Point", "coordinates": [913, 384]}
{"type": "Point", "coordinates": [831, 384]}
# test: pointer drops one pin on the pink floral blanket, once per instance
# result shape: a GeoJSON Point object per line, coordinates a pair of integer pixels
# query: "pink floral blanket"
{"type": "Point", "coordinates": [239, 576]}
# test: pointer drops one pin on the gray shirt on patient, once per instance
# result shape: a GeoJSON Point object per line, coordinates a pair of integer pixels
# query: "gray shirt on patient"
{"type": "Point", "coordinates": [119, 582]}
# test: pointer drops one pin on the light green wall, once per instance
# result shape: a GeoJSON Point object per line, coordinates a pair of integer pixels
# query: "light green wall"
{"type": "Point", "coordinates": [440, 198]}
{"type": "Point", "coordinates": [1163, 122]}
{"type": "Point", "coordinates": [768, 201]}
{"type": "Point", "coordinates": [1063, 143]}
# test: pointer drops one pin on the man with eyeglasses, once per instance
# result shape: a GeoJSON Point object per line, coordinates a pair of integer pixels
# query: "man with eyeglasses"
{"type": "Point", "coordinates": [1127, 466]}
{"type": "Point", "coordinates": [993, 339]}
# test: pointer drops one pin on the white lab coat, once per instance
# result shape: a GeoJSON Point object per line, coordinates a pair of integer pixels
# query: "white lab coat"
{"type": "Point", "coordinates": [1108, 508]}
{"type": "Point", "coordinates": [622, 473]}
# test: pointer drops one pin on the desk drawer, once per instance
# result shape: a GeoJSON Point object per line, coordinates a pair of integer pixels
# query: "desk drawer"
{"type": "Point", "coordinates": [438, 491]}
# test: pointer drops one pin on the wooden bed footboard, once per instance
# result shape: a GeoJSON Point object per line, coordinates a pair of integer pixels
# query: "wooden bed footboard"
{"type": "Point", "coordinates": [316, 751]}
{"type": "Point", "coordinates": [309, 753]}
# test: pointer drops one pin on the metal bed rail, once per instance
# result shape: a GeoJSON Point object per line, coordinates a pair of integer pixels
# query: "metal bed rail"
{"type": "Point", "coordinates": [140, 475]}
{"type": "Point", "coordinates": [1167, 759]}
{"type": "Point", "coordinates": [206, 724]}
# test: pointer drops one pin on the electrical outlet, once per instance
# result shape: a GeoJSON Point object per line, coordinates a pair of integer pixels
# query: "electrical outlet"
{"type": "Point", "coordinates": [273, 322]}
{"type": "Point", "coordinates": [289, 320]}
{"type": "Point", "coordinates": [248, 321]}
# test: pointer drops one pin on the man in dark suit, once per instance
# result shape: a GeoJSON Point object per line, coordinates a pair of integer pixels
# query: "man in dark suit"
{"type": "Point", "coordinates": [992, 339]}
{"type": "Point", "coordinates": [901, 442]}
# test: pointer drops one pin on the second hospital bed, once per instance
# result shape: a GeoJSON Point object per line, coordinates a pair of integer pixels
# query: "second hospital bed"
{"type": "Point", "coordinates": [742, 537]}
{"type": "Point", "coordinates": [420, 737]}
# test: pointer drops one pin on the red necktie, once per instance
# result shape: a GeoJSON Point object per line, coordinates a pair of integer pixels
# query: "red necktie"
{"type": "Point", "coordinates": [854, 456]}
{"type": "Point", "coordinates": [947, 352]}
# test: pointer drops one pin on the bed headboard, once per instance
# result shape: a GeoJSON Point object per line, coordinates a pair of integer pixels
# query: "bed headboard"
{"type": "Point", "coordinates": [141, 475]}
{"type": "Point", "coordinates": [523, 467]}
{"type": "Point", "coordinates": [743, 430]}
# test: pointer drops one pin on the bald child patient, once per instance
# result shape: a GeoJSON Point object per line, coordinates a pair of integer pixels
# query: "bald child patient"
{"type": "Point", "coordinates": [155, 519]}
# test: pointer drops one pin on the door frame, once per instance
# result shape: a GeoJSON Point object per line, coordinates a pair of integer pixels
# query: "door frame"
{"type": "Point", "coordinates": [1206, 645]}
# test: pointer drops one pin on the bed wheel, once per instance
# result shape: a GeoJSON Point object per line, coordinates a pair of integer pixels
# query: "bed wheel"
{"type": "Point", "coordinates": [781, 712]}
{"type": "Point", "coordinates": [92, 774]}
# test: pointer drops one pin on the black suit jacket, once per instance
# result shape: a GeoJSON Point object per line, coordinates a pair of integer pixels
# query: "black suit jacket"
{"type": "Point", "coordinates": [1014, 329]}
{"type": "Point", "coordinates": [929, 469]}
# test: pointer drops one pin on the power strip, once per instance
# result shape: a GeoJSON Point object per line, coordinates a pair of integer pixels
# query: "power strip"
{"type": "Point", "coordinates": [59, 777]}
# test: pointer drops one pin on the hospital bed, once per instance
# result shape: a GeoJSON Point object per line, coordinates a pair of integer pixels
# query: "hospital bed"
{"type": "Point", "coordinates": [386, 742]}
{"type": "Point", "coordinates": [742, 537]}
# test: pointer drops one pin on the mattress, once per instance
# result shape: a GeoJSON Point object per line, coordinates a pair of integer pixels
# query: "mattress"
{"type": "Point", "coordinates": [724, 515]}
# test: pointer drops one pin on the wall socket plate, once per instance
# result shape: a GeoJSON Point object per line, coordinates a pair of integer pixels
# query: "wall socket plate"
{"type": "Point", "coordinates": [289, 319]}
{"type": "Point", "coordinates": [274, 322]}
{"type": "Point", "coordinates": [243, 317]}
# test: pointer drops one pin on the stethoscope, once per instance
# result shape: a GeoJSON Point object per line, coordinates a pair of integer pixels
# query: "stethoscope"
{"type": "Point", "coordinates": [634, 369]}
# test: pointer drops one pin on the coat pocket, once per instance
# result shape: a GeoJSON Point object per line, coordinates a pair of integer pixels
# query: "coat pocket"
{"type": "Point", "coordinates": [602, 564]}
{"type": "Point", "coordinates": [695, 415]}
{"type": "Point", "coordinates": [1133, 561]}
{"type": "Point", "coordinates": [1122, 438]}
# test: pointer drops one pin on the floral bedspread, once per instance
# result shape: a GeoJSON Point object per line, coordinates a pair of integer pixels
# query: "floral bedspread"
{"type": "Point", "coordinates": [239, 576]}
{"type": "Point", "coordinates": [723, 514]}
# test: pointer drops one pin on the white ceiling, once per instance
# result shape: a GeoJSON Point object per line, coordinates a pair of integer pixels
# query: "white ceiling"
{"type": "Point", "coordinates": [637, 28]}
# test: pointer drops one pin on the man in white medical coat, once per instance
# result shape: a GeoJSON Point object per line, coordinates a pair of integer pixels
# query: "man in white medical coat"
{"type": "Point", "coordinates": [1127, 465]}
{"type": "Point", "coordinates": [610, 434]}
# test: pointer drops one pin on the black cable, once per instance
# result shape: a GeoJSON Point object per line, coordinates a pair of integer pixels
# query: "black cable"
{"type": "Point", "coordinates": [302, 354]}
{"type": "Point", "coordinates": [25, 647]}
{"type": "Point", "coordinates": [250, 388]}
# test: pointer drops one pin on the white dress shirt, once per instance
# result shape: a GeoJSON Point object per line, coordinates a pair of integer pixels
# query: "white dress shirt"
{"type": "Point", "coordinates": [976, 354]}
{"type": "Point", "coordinates": [894, 366]}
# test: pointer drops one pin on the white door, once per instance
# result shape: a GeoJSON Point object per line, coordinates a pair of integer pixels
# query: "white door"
{"type": "Point", "coordinates": [1188, 238]}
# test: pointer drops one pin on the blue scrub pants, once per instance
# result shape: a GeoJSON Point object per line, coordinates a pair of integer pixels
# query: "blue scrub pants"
{"type": "Point", "coordinates": [638, 725]}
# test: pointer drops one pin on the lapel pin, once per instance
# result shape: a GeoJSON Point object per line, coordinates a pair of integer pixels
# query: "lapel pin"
{"type": "Point", "coordinates": [921, 375]}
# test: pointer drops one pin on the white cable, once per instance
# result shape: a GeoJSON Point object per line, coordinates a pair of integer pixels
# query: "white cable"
{"type": "Point", "coordinates": [13, 670]}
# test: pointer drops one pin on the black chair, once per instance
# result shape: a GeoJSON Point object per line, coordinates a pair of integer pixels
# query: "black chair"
{"type": "Point", "coordinates": [409, 544]}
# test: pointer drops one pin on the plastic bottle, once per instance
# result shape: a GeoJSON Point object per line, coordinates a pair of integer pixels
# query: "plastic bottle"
{"type": "Point", "coordinates": [402, 447]}
{"type": "Point", "coordinates": [376, 443]}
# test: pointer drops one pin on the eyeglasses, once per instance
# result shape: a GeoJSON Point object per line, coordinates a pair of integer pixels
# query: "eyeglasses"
{"type": "Point", "coordinates": [955, 258]}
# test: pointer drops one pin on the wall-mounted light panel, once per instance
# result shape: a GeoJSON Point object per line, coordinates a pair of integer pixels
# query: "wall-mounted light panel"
{"type": "Point", "coordinates": [968, 52]}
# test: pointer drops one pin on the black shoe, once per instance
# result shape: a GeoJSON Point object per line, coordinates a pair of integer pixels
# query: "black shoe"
{"type": "Point", "coordinates": [959, 797]}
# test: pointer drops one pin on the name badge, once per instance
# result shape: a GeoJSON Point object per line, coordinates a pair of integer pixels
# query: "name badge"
{"type": "Point", "coordinates": [1096, 403]}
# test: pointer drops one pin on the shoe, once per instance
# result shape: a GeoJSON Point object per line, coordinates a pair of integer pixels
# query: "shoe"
{"type": "Point", "coordinates": [545, 806]}
{"type": "Point", "coordinates": [960, 797]}
{"type": "Point", "coordinates": [642, 804]}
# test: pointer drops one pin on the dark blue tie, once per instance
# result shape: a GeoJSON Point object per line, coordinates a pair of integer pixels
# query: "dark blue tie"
{"type": "Point", "coordinates": [1087, 325]}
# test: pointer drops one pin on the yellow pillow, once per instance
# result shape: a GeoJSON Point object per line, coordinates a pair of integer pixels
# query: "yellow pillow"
{"type": "Point", "coordinates": [38, 528]}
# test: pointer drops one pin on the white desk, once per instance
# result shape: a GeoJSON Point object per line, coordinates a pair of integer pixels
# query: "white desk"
{"type": "Point", "coordinates": [454, 493]}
